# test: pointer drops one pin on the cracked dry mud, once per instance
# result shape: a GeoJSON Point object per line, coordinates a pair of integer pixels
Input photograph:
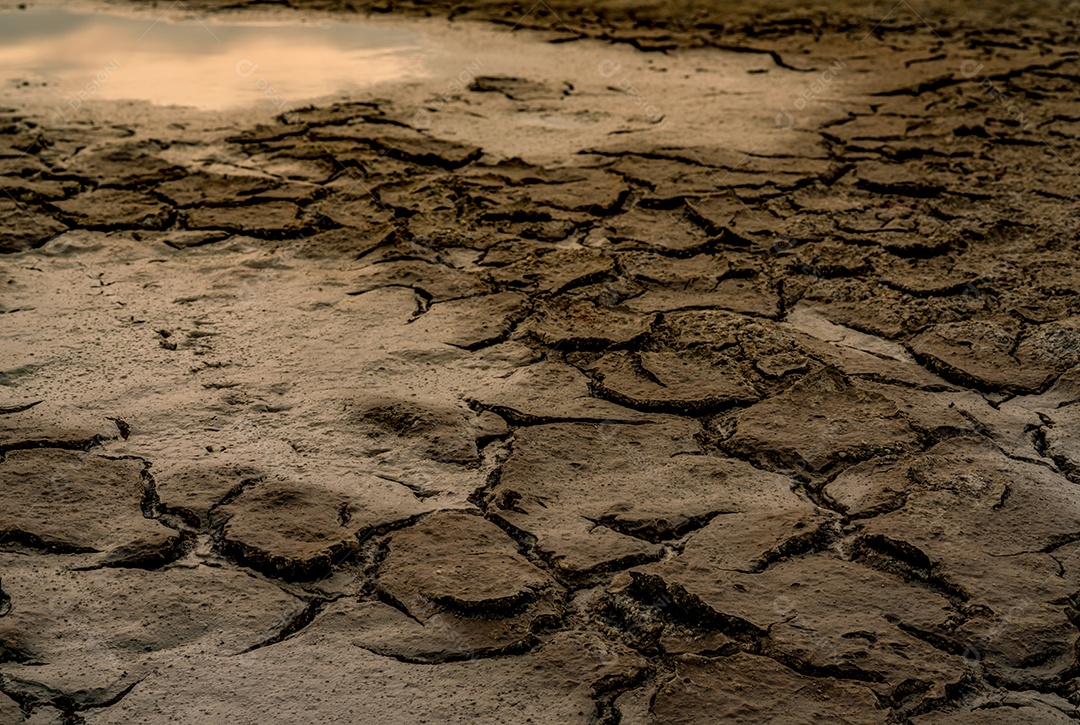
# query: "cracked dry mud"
{"type": "Point", "coordinates": [328, 419]}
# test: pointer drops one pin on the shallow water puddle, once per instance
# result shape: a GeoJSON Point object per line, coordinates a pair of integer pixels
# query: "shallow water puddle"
{"type": "Point", "coordinates": [209, 64]}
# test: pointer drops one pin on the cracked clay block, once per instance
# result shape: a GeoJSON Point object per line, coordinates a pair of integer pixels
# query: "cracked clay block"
{"type": "Point", "coordinates": [461, 562]}
{"type": "Point", "coordinates": [113, 208]}
{"type": "Point", "coordinates": [828, 615]}
{"type": "Point", "coordinates": [60, 500]}
{"type": "Point", "coordinates": [25, 227]}
{"type": "Point", "coordinates": [997, 355]}
{"type": "Point", "coordinates": [593, 495]}
{"type": "Point", "coordinates": [821, 420]}
{"type": "Point", "coordinates": [87, 635]}
{"type": "Point", "coordinates": [573, 324]}
{"type": "Point", "coordinates": [748, 689]}
{"type": "Point", "coordinates": [301, 531]}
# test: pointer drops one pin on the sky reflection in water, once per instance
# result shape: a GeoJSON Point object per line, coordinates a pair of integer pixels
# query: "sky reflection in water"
{"type": "Point", "coordinates": [197, 62]}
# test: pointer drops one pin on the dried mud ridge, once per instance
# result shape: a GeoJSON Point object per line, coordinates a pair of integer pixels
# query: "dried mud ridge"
{"type": "Point", "coordinates": [752, 438]}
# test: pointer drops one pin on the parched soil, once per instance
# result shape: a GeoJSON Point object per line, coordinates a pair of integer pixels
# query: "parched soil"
{"type": "Point", "coordinates": [335, 419]}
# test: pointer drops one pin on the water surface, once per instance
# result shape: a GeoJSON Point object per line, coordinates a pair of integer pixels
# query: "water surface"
{"type": "Point", "coordinates": [77, 56]}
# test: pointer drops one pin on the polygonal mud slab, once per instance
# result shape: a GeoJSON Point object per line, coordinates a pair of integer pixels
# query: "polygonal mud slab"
{"type": "Point", "coordinates": [1030, 505]}
{"type": "Point", "coordinates": [271, 218]}
{"type": "Point", "coordinates": [555, 227]}
{"type": "Point", "coordinates": [860, 364]}
{"type": "Point", "coordinates": [699, 273]}
{"type": "Point", "coordinates": [736, 222]}
{"type": "Point", "coordinates": [745, 688]}
{"type": "Point", "coordinates": [472, 322]}
{"type": "Point", "coordinates": [750, 295]}
{"type": "Point", "coordinates": [938, 276]}
{"type": "Point", "coordinates": [305, 163]}
{"type": "Point", "coordinates": [596, 497]}
{"type": "Point", "coordinates": [401, 143]}
{"type": "Point", "coordinates": [429, 197]}
{"type": "Point", "coordinates": [582, 324]}
{"type": "Point", "coordinates": [549, 391]}
{"type": "Point", "coordinates": [35, 191]}
{"type": "Point", "coordinates": [767, 356]}
{"type": "Point", "coordinates": [512, 250]}
{"type": "Point", "coordinates": [586, 190]}
{"type": "Point", "coordinates": [191, 491]}
{"type": "Point", "coordinates": [667, 231]}
{"type": "Point", "coordinates": [827, 259]}
{"type": "Point", "coordinates": [124, 164]}
{"type": "Point", "coordinates": [554, 271]}
{"type": "Point", "coordinates": [820, 421]}
{"type": "Point", "coordinates": [440, 637]}
{"type": "Point", "coordinates": [113, 209]}
{"type": "Point", "coordinates": [715, 329]}
{"type": "Point", "coordinates": [25, 227]}
{"type": "Point", "coordinates": [214, 189]}
{"type": "Point", "coordinates": [900, 179]}
{"type": "Point", "coordinates": [302, 531]}
{"type": "Point", "coordinates": [868, 306]}
{"type": "Point", "coordinates": [681, 176]}
{"type": "Point", "coordinates": [22, 161]}
{"type": "Point", "coordinates": [354, 211]}
{"type": "Point", "coordinates": [856, 353]}
{"type": "Point", "coordinates": [337, 243]}
{"type": "Point", "coordinates": [322, 677]}
{"type": "Point", "coordinates": [816, 612]}
{"type": "Point", "coordinates": [511, 186]}
{"type": "Point", "coordinates": [938, 415]}
{"type": "Point", "coordinates": [462, 562]}
{"type": "Point", "coordinates": [998, 356]}
{"type": "Point", "coordinates": [1062, 394]}
{"type": "Point", "coordinates": [673, 382]}
{"type": "Point", "coordinates": [442, 433]}
{"type": "Point", "coordinates": [81, 637]}
{"type": "Point", "coordinates": [70, 501]}
{"type": "Point", "coordinates": [463, 579]}
{"type": "Point", "coordinates": [983, 527]}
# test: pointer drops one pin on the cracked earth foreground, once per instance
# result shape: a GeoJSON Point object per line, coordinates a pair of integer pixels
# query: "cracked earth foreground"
{"type": "Point", "coordinates": [330, 419]}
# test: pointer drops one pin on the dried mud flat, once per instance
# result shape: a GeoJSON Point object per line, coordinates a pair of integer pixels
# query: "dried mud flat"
{"type": "Point", "coordinates": [332, 419]}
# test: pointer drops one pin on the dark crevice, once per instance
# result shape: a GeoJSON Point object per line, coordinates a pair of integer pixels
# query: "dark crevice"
{"type": "Point", "coordinates": [659, 530]}
{"type": "Point", "coordinates": [515, 649]}
{"type": "Point", "coordinates": [213, 519]}
{"type": "Point", "coordinates": [680, 607]}
{"type": "Point", "coordinates": [419, 491]}
{"type": "Point", "coordinates": [294, 625]}
{"type": "Point", "coordinates": [32, 695]}
{"type": "Point", "coordinates": [906, 561]}
{"type": "Point", "coordinates": [518, 418]}
{"type": "Point", "coordinates": [18, 408]}
{"type": "Point", "coordinates": [68, 445]}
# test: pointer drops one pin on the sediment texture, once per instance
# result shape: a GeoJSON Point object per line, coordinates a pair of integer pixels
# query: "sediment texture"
{"type": "Point", "coordinates": [336, 421]}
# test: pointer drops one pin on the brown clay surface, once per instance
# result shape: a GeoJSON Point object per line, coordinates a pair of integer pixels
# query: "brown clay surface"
{"type": "Point", "coordinates": [551, 410]}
